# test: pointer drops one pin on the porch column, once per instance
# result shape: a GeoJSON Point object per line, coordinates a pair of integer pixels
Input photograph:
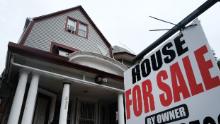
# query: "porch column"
{"type": "Point", "coordinates": [64, 104]}
{"type": "Point", "coordinates": [120, 109]}
{"type": "Point", "coordinates": [31, 99]}
{"type": "Point", "coordinates": [18, 98]}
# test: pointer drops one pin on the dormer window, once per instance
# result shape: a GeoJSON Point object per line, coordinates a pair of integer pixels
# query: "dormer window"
{"type": "Point", "coordinates": [61, 50]}
{"type": "Point", "coordinates": [77, 27]}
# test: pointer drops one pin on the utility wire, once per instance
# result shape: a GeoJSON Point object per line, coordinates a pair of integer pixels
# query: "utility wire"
{"type": "Point", "coordinates": [162, 20]}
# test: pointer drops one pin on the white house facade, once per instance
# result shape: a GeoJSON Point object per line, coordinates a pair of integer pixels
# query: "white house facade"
{"type": "Point", "coordinates": [63, 71]}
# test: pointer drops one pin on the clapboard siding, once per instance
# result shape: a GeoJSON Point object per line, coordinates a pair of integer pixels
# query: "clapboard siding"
{"type": "Point", "coordinates": [53, 30]}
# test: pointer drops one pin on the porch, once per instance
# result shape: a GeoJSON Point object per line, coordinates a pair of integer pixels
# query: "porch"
{"type": "Point", "coordinates": [48, 100]}
{"type": "Point", "coordinates": [50, 89]}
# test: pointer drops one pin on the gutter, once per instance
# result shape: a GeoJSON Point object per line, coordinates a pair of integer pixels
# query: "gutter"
{"type": "Point", "coordinates": [71, 79]}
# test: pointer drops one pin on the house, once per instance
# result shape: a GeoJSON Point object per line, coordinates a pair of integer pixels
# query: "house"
{"type": "Point", "coordinates": [63, 71]}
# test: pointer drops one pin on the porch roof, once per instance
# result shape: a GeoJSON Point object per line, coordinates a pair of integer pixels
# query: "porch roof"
{"type": "Point", "coordinates": [55, 59]}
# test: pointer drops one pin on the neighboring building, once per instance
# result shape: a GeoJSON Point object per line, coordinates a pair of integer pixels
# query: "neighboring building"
{"type": "Point", "coordinates": [122, 55]}
{"type": "Point", "coordinates": [63, 70]}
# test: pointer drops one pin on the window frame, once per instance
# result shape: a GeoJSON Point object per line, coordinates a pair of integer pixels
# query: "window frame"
{"type": "Point", "coordinates": [67, 25]}
{"type": "Point", "coordinates": [56, 46]}
{"type": "Point", "coordinates": [77, 27]}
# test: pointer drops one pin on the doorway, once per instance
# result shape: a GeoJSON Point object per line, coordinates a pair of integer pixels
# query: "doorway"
{"type": "Point", "coordinates": [42, 108]}
{"type": "Point", "coordinates": [86, 113]}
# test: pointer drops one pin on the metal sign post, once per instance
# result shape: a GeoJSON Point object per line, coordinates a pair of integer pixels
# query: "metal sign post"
{"type": "Point", "coordinates": [205, 6]}
{"type": "Point", "coordinates": [178, 82]}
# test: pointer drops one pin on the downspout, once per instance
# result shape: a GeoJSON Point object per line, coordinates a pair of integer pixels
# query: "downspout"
{"type": "Point", "coordinates": [75, 80]}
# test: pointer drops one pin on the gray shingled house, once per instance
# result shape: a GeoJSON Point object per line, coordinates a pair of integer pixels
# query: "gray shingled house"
{"type": "Point", "coordinates": [63, 70]}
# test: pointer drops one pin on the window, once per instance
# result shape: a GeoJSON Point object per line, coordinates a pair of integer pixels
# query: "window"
{"type": "Point", "coordinates": [82, 30]}
{"type": "Point", "coordinates": [71, 26]}
{"type": "Point", "coordinates": [77, 27]}
{"type": "Point", "coordinates": [61, 50]}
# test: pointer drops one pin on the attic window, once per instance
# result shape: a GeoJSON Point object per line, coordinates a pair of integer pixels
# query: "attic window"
{"type": "Point", "coordinates": [82, 31]}
{"type": "Point", "coordinates": [61, 50]}
{"type": "Point", "coordinates": [71, 26]}
{"type": "Point", "coordinates": [77, 27]}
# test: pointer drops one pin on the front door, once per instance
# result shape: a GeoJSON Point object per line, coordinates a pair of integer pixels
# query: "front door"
{"type": "Point", "coordinates": [87, 113]}
{"type": "Point", "coordinates": [41, 113]}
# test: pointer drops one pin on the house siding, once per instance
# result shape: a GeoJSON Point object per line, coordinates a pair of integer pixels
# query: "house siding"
{"type": "Point", "coordinates": [53, 30]}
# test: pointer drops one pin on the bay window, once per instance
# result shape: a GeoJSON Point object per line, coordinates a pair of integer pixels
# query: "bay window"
{"type": "Point", "coordinates": [61, 50]}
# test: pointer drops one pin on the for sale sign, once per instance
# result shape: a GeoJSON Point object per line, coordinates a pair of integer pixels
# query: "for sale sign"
{"type": "Point", "coordinates": [178, 82]}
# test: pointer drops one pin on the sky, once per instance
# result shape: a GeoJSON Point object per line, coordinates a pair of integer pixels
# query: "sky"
{"type": "Point", "coordinates": [123, 22]}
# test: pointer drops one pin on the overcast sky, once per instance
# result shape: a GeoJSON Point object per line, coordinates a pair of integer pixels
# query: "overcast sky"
{"type": "Point", "coordinates": [123, 22]}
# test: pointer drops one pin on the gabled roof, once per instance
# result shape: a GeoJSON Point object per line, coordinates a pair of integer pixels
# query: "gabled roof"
{"type": "Point", "coordinates": [122, 53]}
{"type": "Point", "coordinates": [118, 49]}
{"type": "Point", "coordinates": [36, 19]}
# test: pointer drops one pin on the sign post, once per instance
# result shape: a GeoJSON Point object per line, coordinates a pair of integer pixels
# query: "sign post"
{"type": "Point", "coordinates": [178, 82]}
{"type": "Point", "coordinates": [181, 25]}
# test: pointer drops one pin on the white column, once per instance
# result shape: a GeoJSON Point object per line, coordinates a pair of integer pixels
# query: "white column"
{"type": "Point", "coordinates": [18, 98]}
{"type": "Point", "coordinates": [120, 109]}
{"type": "Point", "coordinates": [64, 104]}
{"type": "Point", "coordinates": [31, 99]}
